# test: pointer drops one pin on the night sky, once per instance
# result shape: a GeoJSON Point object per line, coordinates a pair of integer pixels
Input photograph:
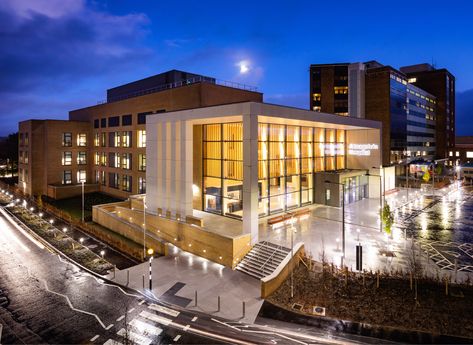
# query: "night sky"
{"type": "Point", "coordinates": [58, 55]}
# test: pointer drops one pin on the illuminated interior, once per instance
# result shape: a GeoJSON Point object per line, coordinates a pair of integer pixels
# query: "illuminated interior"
{"type": "Point", "coordinates": [288, 158]}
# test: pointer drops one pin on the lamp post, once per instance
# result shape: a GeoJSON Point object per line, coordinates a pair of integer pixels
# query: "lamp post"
{"type": "Point", "coordinates": [292, 254]}
{"type": "Point", "coordinates": [150, 253]}
{"type": "Point", "coordinates": [144, 226]}
{"type": "Point", "coordinates": [82, 182]}
{"type": "Point", "coordinates": [343, 216]}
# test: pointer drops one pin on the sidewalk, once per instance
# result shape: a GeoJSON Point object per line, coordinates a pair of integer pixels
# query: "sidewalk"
{"type": "Point", "coordinates": [177, 276]}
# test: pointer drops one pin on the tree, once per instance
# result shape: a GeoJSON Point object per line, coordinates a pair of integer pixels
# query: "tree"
{"type": "Point", "coordinates": [39, 202]}
{"type": "Point", "coordinates": [387, 218]}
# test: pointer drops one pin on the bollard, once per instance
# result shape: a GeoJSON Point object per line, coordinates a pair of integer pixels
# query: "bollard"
{"type": "Point", "coordinates": [218, 303]}
{"type": "Point", "coordinates": [114, 268]}
{"type": "Point", "coordinates": [244, 308]}
{"type": "Point", "coordinates": [195, 304]}
{"type": "Point", "coordinates": [127, 277]}
{"type": "Point", "coordinates": [143, 281]}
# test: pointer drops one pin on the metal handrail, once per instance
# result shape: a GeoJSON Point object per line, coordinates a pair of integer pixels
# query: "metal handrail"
{"type": "Point", "coordinates": [262, 267]}
{"type": "Point", "coordinates": [182, 83]}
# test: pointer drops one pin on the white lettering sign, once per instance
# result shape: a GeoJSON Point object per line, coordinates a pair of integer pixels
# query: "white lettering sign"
{"type": "Point", "coordinates": [361, 149]}
{"type": "Point", "coordinates": [332, 149]}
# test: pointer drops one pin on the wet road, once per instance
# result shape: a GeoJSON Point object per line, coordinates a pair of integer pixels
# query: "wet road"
{"type": "Point", "coordinates": [44, 299]}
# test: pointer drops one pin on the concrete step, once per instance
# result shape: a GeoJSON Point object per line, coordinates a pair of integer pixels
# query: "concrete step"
{"type": "Point", "coordinates": [258, 264]}
{"type": "Point", "coordinates": [262, 260]}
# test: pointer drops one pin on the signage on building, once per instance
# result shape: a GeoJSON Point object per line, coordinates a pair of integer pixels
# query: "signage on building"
{"type": "Point", "coordinates": [361, 149]}
{"type": "Point", "coordinates": [332, 149]}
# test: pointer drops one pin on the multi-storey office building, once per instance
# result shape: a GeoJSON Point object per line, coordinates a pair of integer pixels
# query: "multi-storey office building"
{"type": "Point", "coordinates": [53, 154]}
{"type": "Point", "coordinates": [115, 160]}
{"type": "Point", "coordinates": [441, 84]}
{"type": "Point", "coordinates": [382, 93]}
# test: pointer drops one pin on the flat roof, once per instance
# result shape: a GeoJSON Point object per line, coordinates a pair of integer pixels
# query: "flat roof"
{"type": "Point", "coordinates": [266, 112]}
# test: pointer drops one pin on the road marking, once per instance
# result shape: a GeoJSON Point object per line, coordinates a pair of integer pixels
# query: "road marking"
{"type": "Point", "coordinates": [225, 324]}
{"type": "Point", "coordinates": [109, 326]}
{"type": "Point", "coordinates": [155, 318]}
{"type": "Point", "coordinates": [1, 329]}
{"type": "Point", "coordinates": [120, 318]}
{"type": "Point", "coordinates": [72, 307]}
{"type": "Point", "coordinates": [131, 310]}
{"type": "Point", "coordinates": [112, 342]}
{"type": "Point", "coordinates": [164, 310]}
{"type": "Point", "coordinates": [95, 338]}
{"type": "Point", "coordinates": [176, 338]}
{"type": "Point", "coordinates": [145, 328]}
{"type": "Point", "coordinates": [186, 328]}
{"type": "Point", "coordinates": [143, 301]}
{"type": "Point", "coordinates": [194, 318]}
{"type": "Point", "coordinates": [134, 337]}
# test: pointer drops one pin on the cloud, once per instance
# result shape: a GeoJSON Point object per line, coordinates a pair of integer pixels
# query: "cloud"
{"type": "Point", "coordinates": [53, 47]}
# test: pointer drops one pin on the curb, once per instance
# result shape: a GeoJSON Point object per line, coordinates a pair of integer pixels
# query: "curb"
{"type": "Point", "coordinates": [272, 311]}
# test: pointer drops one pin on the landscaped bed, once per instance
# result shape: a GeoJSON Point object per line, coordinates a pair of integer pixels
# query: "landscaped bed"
{"type": "Point", "coordinates": [392, 304]}
{"type": "Point", "coordinates": [62, 242]}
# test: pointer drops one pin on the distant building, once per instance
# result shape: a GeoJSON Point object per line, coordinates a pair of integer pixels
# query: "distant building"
{"type": "Point", "coordinates": [105, 144]}
{"type": "Point", "coordinates": [374, 91]}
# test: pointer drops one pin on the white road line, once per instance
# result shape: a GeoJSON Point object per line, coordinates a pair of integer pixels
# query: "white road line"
{"type": "Point", "coordinates": [194, 319]}
{"type": "Point", "coordinates": [186, 328]}
{"type": "Point", "coordinates": [176, 338]}
{"type": "Point", "coordinates": [1, 329]}
{"type": "Point", "coordinates": [145, 328]}
{"type": "Point", "coordinates": [109, 326]}
{"type": "Point", "coordinates": [72, 307]}
{"type": "Point", "coordinates": [225, 324]}
{"type": "Point", "coordinates": [155, 318]}
{"type": "Point", "coordinates": [143, 301]}
{"type": "Point", "coordinates": [112, 342]}
{"type": "Point", "coordinates": [100, 281]}
{"type": "Point", "coordinates": [131, 310]}
{"type": "Point", "coordinates": [120, 318]}
{"type": "Point", "coordinates": [134, 337]}
{"type": "Point", "coordinates": [94, 338]}
{"type": "Point", "coordinates": [164, 310]}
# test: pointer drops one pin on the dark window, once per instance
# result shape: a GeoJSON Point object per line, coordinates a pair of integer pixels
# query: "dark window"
{"type": "Point", "coordinates": [103, 123]}
{"type": "Point", "coordinates": [142, 117]}
{"type": "Point", "coordinates": [114, 121]}
{"type": "Point", "coordinates": [126, 120]}
{"type": "Point", "coordinates": [96, 123]}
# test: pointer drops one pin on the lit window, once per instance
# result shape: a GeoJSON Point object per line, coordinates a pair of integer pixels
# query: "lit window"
{"type": "Point", "coordinates": [26, 157]}
{"type": "Point", "coordinates": [450, 154]}
{"type": "Point", "coordinates": [67, 139]}
{"type": "Point", "coordinates": [469, 154]}
{"type": "Point", "coordinates": [457, 154]}
{"type": "Point", "coordinates": [126, 139]}
{"type": "Point", "coordinates": [26, 139]}
{"type": "Point", "coordinates": [126, 183]}
{"type": "Point", "coordinates": [340, 90]}
{"type": "Point", "coordinates": [141, 138]}
{"type": "Point", "coordinates": [81, 176]}
{"type": "Point", "coordinates": [67, 158]}
{"type": "Point", "coordinates": [141, 185]}
{"type": "Point", "coordinates": [412, 80]}
{"type": "Point", "coordinates": [97, 158]}
{"type": "Point", "coordinates": [317, 97]}
{"type": "Point", "coordinates": [126, 161]}
{"type": "Point", "coordinates": [142, 162]}
{"type": "Point", "coordinates": [81, 139]}
{"type": "Point", "coordinates": [97, 139]}
{"type": "Point", "coordinates": [317, 108]}
{"type": "Point", "coordinates": [67, 177]}
{"type": "Point", "coordinates": [82, 158]}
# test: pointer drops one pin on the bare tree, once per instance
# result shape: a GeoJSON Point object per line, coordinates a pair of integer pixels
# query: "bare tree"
{"type": "Point", "coordinates": [415, 268]}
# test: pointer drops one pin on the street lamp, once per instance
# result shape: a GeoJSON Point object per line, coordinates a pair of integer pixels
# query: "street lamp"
{"type": "Point", "coordinates": [144, 226]}
{"type": "Point", "coordinates": [343, 216]}
{"type": "Point", "coordinates": [102, 253]}
{"type": "Point", "coordinates": [82, 182]}
{"type": "Point", "coordinates": [81, 240]}
{"type": "Point", "coordinates": [292, 252]}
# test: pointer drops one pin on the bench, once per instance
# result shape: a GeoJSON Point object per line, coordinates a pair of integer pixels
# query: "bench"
{"type": "Point", "coordinates": [284, 217]}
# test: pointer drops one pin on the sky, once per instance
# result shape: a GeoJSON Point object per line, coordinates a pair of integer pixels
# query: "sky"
{"type": "Point", "coordinates": [59, 55]}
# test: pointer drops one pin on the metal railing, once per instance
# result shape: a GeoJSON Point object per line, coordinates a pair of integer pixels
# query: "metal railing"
{"type": "Point", "coordinates": [271, 257]}
{"type": "Point", "coordinates": [181, 83]}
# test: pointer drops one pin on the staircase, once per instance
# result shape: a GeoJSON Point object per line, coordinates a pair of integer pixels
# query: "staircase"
{"type": "Point", "coordinates": [263, 259]}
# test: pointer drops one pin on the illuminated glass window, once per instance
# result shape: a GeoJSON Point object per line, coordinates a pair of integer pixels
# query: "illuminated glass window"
{"type": "Point", "coordinates": [82, 158]}
{"type": "Point", "coordinates": [142, 162]}
{"type": "Point", "coordinates": [126, 139]}
{"type": "Point", "coordinates": [67, 139]}
{"type": "Point", "coordinates": [67, 158]}
{"type": "Point", "coordinates": [126, 183]}
{"type": "Point", "coordinates": [81, 139]}
{"type": "Point", "coordinates": [67, 177]}
{"type": "Point", "coordinates": [142, 138]}
{"type": "Point", "coordinates": [126, 161]}
{"type": "Point", "coordinates": [141, 185]}
{"type": "Point", "coordinates": [96, 139]}
{"type": "Point", "coordinates": [81, 176]}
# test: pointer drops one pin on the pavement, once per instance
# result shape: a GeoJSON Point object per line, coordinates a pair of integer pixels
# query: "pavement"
{"type": "Point", "coordinates": [177, 277]}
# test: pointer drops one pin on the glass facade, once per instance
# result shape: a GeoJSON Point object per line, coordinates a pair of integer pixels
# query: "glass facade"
{"type": "Point", "coordinates": [288, 158]}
